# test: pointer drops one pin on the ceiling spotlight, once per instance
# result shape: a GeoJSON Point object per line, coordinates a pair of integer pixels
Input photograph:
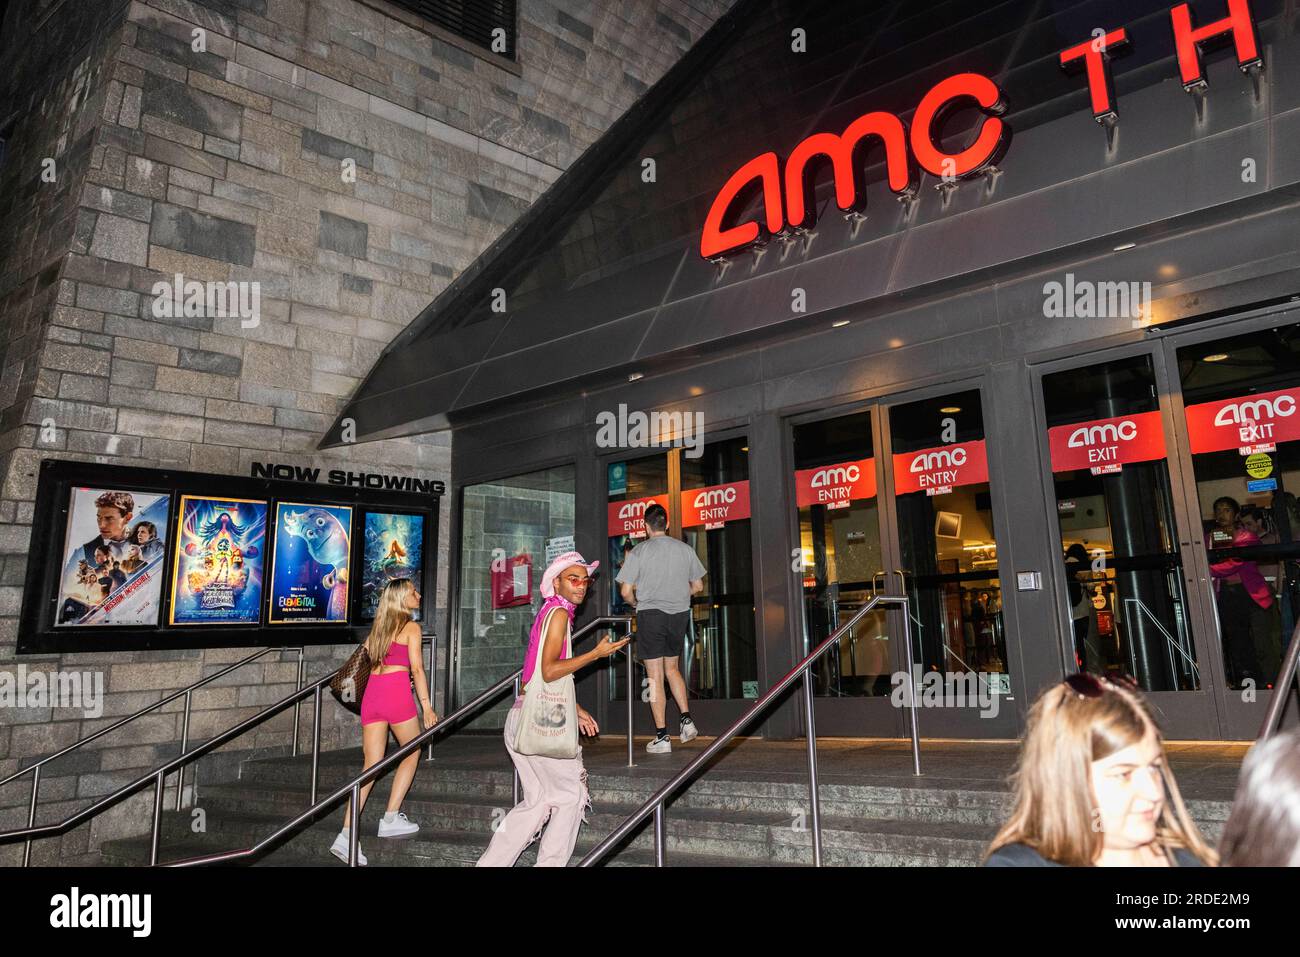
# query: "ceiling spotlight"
{"type": "Point", "coordinates": [1123, 246]}
{"type": "Point", "coordinates": [950, 409]}
{"type": "Point", "coordinates": [1216, 357]}
{"type": "Point", "coordinates": [635, 375]}
{"type": "Point", "coordinates": [839, 323]}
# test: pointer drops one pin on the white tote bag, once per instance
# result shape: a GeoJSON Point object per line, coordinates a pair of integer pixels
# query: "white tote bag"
{"type": "Point", "coordinates": [548, 722]}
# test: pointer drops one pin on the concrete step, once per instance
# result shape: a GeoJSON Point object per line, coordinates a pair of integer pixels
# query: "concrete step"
{"type": "Point", "coordinates": [736, 814]}
{"type": "Point", "coordinates": [940, 802]}
{"type": "Point", "coordinates": [775, 836]}
{"type": "Point", "coordinates": [429, 848]}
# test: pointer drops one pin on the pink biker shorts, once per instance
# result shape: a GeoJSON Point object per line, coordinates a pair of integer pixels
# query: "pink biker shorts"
{"type": "Point", "coordinates": [388, 698]}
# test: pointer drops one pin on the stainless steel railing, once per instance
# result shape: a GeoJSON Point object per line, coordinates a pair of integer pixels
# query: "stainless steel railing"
{"type": "Point", "coordinates": [655, 804]}
{"type": "Point", "coordinates": [1286, 677]}
{"type": "Point", "coordinates": [353, 788]}
{"type": "Point", "coordinates": [186, 692]}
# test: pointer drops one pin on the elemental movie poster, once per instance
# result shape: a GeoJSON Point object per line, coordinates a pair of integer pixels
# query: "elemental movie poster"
{"type": "Point", "coordinates": [394, 549]}
{"type": "Point", "coordinates": [113, 557]}
{"type": "Point", "coordinates": [309, 571]}
{"type": "Point", "coordinates": [219, 546]}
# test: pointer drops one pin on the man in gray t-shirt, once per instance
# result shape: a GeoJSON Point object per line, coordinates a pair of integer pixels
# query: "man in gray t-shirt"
{"type": "Point", "coordinates": [658, 579]}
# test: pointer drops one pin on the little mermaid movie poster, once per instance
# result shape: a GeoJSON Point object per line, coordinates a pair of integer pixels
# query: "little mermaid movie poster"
{"type": "Point", "coordinates": [219, 547]}
{"type": "Point", "coordinates": [309, 568]}
{"type": "Point", "coordinates": [394, 549]}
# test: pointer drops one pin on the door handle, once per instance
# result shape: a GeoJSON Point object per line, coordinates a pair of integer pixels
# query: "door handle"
{"type": "Point", "coordinates": [902, 577]}
{"type": "Point", "coordinates": [876, 577]}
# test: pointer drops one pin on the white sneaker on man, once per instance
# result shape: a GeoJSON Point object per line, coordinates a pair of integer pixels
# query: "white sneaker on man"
{"type": "Point", "coordinates": [340, 849]}
{"type": "Point", "coordinates": [689, 731]}
{"type": "Point", "coordinates": [397, 824]}
{"type": "Point", "coordinates": [659, 745]}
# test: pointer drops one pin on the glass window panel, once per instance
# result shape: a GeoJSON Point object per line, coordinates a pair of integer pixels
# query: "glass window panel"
{"type": "Point", "coordinates": [505, 525]}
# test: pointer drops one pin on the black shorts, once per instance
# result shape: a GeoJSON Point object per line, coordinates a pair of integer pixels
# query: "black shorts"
{"type": "Point", "coordinates": [659, 634]}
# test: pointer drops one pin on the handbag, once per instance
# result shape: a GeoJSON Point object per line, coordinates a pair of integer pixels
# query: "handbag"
{"type": "Point", "coordinates": [349, 682]}
{"type": "Point", "coordinates": [548, 721]}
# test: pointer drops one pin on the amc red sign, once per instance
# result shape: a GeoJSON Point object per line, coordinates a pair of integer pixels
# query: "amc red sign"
{"type": "Point", "coordinates": [1106, 445]}
{"type": "Point", "coordinates": [835, 486]}
{"type": "Point", "coordinates": [628, 518]}
{"type": "Point", "coordinates": [716, 505]}
{"type": "Point", "coordinates": [936, 471]}
{"type": "Point", "coordinates": [888, 131]}
{"type": "Point", "coordinates": [1246, 421]}
{"type": "Point", "coordinates": [787, 192]}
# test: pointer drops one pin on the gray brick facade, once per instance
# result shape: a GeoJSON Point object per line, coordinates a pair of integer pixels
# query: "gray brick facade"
{"type": "Point", "coordinates": [346, 157]}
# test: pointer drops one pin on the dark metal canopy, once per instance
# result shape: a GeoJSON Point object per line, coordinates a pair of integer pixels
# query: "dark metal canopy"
{"type": "Point", "coordinates": [602, 275]}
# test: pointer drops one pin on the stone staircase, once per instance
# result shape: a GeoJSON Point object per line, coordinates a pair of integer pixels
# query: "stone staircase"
{"type": "Point", "coordinates": [727, 817]}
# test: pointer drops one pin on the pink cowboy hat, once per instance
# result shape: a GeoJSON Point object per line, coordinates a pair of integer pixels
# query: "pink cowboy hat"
{"type": "Point", "coordinates": [567, 560]}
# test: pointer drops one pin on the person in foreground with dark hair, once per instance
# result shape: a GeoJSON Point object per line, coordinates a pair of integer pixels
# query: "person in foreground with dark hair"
{"type": "Point", "coordinates": [1263, 829]}
{"type": "Point", "coordinates": [1093, 787]}
{"type": "Point", "coordinates": [658, 579]}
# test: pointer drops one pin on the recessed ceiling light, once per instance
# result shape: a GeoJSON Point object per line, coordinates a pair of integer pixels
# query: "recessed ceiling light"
{"type": "Point", "coordinates": [1123, 246]}
{"type": "Point", "coordinates": [839, 323]}
{"type": "Point", "coordinates": [1216, 357]}
{"type": "Point", "coordinates": [950, 409]}
{"type": "Point", "coordinates": [635, 375]}
{"type": "Point", "coordinates": [744, 448]}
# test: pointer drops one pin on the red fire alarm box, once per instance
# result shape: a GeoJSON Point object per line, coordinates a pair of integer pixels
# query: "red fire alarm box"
{"type": "Point", "coordinates": [512, 581]}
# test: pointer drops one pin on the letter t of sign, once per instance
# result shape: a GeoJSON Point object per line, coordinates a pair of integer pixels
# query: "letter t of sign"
{"type": "Point", "coordinates": [1096, 59]}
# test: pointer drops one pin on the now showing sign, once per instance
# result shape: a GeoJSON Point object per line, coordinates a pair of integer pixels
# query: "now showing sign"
{"type": "Point", "coordinates": [1107, 445]}
{"type": "Point", "coordinates": [938, 471]}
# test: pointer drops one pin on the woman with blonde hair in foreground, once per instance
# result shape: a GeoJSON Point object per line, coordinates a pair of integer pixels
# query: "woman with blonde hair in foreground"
{"type": "Point", "coordinates": [1094, 788]}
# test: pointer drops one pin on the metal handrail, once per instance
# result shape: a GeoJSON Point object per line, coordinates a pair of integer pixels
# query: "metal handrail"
{"type": "Point", "coordinates": [375, 770]}
{"type": "Point", "coordinates": [1288, 674]}
{"type": "Point", "coordinates": [655, 804]}
{"type": "Point", "coordinates": [187, 692]}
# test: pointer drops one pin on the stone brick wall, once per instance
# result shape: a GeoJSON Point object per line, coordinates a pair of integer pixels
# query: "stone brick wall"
{"type": "Point", "coordinates": [227, 164]}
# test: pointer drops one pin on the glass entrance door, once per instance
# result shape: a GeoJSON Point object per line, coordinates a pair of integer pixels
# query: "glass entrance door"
{"type": "Point", "coordinates": [947, 564]}
{"type": "Point", "coordinates": [1240, 398]}
{"type": "Point", "coordinates": [842, 564]}
{"type": "Point", "coordinates": [1126, 600]}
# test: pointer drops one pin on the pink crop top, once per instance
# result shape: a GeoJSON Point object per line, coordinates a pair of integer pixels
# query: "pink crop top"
{"type": "Point", "coordinates": [398, 655]}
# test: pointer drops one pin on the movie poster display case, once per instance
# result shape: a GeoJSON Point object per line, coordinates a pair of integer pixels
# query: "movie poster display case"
{"type": "Point", "coordinates": [125, 558]}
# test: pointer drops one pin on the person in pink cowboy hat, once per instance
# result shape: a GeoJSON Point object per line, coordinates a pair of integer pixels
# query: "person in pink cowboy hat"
{"type": "Point", "coordinates": [555, 789]}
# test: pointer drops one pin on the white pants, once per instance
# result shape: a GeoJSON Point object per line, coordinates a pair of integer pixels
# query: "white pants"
{"type": "Point", "coordinates": [555, 789]}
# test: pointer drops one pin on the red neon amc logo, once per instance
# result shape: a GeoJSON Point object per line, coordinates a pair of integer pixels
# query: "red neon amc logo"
{"type": "Point", "coordinates": [786, 193]}
{"type": "Point", "coordinates": [842, 148]}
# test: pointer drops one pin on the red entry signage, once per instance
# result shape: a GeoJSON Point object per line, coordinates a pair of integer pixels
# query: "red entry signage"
{"type": "Point", "coordinates": [1107, 445]}
{"type": "Point", "coordinates": [1244, 422]}
{"type": "Point", "coordinates": [938, 471]}
{"type": "Point", "coordinates": [716, 505]}
{"type": "Point", "coordinates": [835, 486]}
{"type": "Point", "coordinates": [628, 518]}
{"type": "Point", "coordinates": [787, 192]}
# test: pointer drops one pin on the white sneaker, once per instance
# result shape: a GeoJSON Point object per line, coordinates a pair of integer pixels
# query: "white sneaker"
{"type": "Point", "coordinates": [689, 731]}
{"type": "Point", "coordinates": [340, 849]}
{"type": "Point", "coordinates": [399, 826]}
{"type": "Point", "coordinates": [659, 745]}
